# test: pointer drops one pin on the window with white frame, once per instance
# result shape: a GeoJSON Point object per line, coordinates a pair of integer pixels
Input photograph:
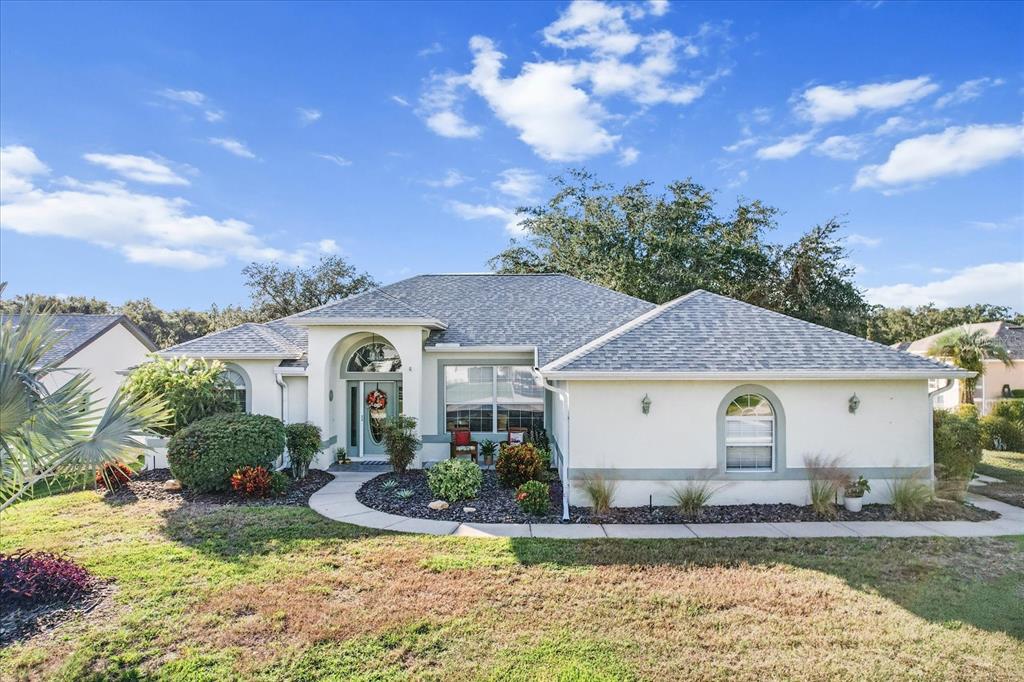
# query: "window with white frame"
{"type": "Point", "coordinates": [750, 434]}
{"type": "Point", "coordinates": [492, 398]}
{"type": "Point", "coordinates": [238, 389]}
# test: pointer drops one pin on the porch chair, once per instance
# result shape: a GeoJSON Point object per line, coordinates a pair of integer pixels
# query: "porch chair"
{"type": "Point", "coordinates": [463, 444]}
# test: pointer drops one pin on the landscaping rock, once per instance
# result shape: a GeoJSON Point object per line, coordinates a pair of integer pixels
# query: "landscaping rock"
{"type": "Point", "coordinates": [172, 485]}
{"type": "Point", "coordinates": [469, 510]}
{"type": "Point", "coordinates": [438, 505]}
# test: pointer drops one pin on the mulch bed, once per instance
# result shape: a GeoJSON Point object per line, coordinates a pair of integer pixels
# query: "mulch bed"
{"type": "Point", "coordinates": [496, 504]}
{"type": "Point", "coordinates": [17, 624]}
{"type": "Point", "coordinates": [148, 485]}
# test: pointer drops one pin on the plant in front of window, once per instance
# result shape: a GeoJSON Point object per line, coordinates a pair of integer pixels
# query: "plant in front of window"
{"type": "Point", "coordinates": [518, 464]}
{"type": "Point", "coordinates": [853, 495]}
{"type": "Point", "coordinates": [455, 479]}
{"type": "Point", "coordinates": [303, 440]}
{"type": "Point", "coordinates": [534, 498]}
{"type": "Point", "coordinates": [539, 437]}
{"type": "Point", "coordinates": [826, 478]}
{"type": "Point", "coordinates": [487, 449]}
{"type": "Point", "coordinates": [192, 388]}
{"type": "Point", "coordinates": [401, 441]}
{"type": "Point", "coordinates": [341, 456]}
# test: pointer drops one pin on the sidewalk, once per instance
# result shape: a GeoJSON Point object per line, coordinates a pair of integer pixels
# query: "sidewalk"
{"type": "Point", "coordinates": [337, 501]}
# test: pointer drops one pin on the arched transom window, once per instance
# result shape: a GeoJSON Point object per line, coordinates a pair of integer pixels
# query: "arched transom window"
{"type": "Point", "coordinates": [238, 389]}
{"type": "Point", "coordinates": [750, 434]}
{"type": "Point", "coordinates": [375, 357]}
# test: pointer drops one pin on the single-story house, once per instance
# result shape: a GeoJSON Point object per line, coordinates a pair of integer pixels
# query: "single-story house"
{"type": "Point", "coordinates": [651, 396]}
{"type": "Point", "coordinates": [997, 379]}
{"type": "Point", "coordinates": [106, 346]}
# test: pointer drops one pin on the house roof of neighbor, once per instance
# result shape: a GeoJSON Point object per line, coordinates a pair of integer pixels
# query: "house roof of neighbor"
{"type": "Point", "coordinates": [76, 331]}
{"type": "Point", "coordinates": [1010, 335]}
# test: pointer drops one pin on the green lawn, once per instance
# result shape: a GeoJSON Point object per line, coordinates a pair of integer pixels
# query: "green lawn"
{"type": "Point", "coordinates": [283, 594]}
{"type": "Point", "coordinates": [1008, 466]}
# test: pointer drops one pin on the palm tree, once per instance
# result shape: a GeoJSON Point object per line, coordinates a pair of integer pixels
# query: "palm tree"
{"type": "Point", "coordinates": [47, 434]}
{"type": "Point", "coordinates": [969, 350]}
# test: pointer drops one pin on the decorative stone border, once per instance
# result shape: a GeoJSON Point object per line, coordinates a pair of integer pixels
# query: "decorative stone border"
{"type": "Point", "coordinates": [337, 501]}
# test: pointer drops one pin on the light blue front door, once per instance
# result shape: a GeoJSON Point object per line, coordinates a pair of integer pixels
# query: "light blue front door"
{"type": "Point", "coordinates": [373, 418]}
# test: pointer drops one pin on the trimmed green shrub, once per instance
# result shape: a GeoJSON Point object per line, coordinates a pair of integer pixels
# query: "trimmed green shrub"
{"type": "Point", "coordinates": [534, 497]}
{"type": "Point", "coordinates": [192, 388]}
{"type": "Point", "coordinates": [957, 444]}
{"type": "Point", "coordinates": [455, 479]}
{"type": "Point", "coordinates": [1010, 409]}
{"type": "Point", "coordinates": [303, 442]}
{"type": "Point", "coordinates": [401, 441]}
{"type": "Point", "coordinates": [204, 455]}
{"type": "Point", "coordinates": [1001, 433]}
{"type": "Point", "coordinates": [518, 464]}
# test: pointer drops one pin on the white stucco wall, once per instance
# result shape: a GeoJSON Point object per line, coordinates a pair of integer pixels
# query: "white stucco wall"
{"type": "Point", "coordinates": [298, 398]}
{"type": "Point", "coordinates": [264, 393]}
{"type": "Point", "coordinates": [609, 431]}
{"type": "Point", "coordinates": [115, 350]}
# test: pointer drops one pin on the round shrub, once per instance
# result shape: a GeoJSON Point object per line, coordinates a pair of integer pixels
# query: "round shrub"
{"type": "Point", "coordinates": [957, 444]}
{"type": "Point", "coordinates": [204, 455]}
{"type": "Point", "coordinates": [455, 479]}
{"type": "Point", "coordinates": [534, 497]}
{"type": "Point", "coordinates": [1012, 409]}
{"type": "Point", "coordinates": [1001, 433]}
{"type": "Point", "coordinates": [518, 464]}
{"type": "Point", "coordinates": [303, 444]}
{"type": "Point", "coordinates": [113, 475]}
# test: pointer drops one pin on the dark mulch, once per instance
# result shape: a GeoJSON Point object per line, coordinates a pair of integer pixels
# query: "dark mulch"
{"type": "Point", "coordinates": [1010, 493]}
{"type": "Point", "coordinates": [496, 504]}
{"type": "Point", "coordinates": [148, 485]}
{"type": "Point", "coordinates": [22, 622]}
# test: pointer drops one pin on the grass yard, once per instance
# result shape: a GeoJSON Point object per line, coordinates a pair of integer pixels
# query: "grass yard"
{"type": "Point", "coordinates": [1008, 466]}
{"type": "Point", "coordinates": [280, 593]}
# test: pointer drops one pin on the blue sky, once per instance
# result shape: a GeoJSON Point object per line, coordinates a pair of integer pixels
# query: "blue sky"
{"type": "Point", "coordinates": [154, 149]}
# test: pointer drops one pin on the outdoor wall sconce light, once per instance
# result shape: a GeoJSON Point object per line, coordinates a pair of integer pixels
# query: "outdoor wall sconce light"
{"type": "Point", "coordinates": [854, 403]}
{"type": "Point", "coordinates": [645, 404]}
{"type": "Point", "coordinates": [330, 395]}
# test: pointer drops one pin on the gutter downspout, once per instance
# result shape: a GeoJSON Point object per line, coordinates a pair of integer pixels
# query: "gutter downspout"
{"type": "Point", "coordinates": [931, 422]}
{"type": "Point", "coordinates": [279, 380]}
{"type": "Point", "coordinates": [565, 455]}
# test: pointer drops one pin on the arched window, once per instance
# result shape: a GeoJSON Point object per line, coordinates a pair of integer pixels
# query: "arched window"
{"type": "Point", "coordinates": [375, 357]}
{"type": "Point", "coordinates": [750, 434]}
{"type": "Point", "coordinates": [239, 388]}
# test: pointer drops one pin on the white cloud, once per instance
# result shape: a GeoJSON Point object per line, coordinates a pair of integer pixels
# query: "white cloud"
{"type": "Point", "coordinates": [452, 178]}
{"type": "Point", "coordinates": [786, 148]}
{"type": "Point", "coordinates": [440, 107]}
{"type": "Point", "coordinates": [308, 116]}
{"type": "Point", "coordinates": [334, 158]}
{"type": "Point", "coordinates": [740, 179]}
{"type": "Point", "coordinates": [435, 48]}
{"type": "Point", "coordinates": [144, 228]}
{"type": "Point", "coordinates": [593, 25]}
{"type": "Point", "coordinates": [996, 283]}
{"type": "Point", "coordinates": [1013, 222]}
{"type": "Point", "coordinates": [401, 101]}
{"type": "Point", "coordinates": [518, 183]}
{"type": "Point", "coordinates": [967, 91]}
{"type": "Point", "coordinates": [214, 115]}
{"type": "Point", "coordinates": [194, 98]}
{"type": "Point", "coordinates": [138, 168]}
{"type": "Point", "coordinates": [825, 103]}
{"type": "Point", "coordinates": [742, 143]}
{"type": "Point", "coordinates": [955, 151]}
{"type": "Point", "coordinates": [863, 240]}
{"type": "Point", "coordinates": [480, 211]}
{"type": "Point", "coordinates": [628, 156]}
{"type": "Point", "coordinates": [234, 146]}
{"type": "Point", "coordinates": [328, 246]}
{"type": "Point", "coordinates": [658, 8]}
{"type": "Point", "coordinates": [844, 147]}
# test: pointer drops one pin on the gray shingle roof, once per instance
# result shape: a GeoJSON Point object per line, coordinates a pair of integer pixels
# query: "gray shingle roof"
{"type": "Point", "coordinates": [249, 338]}
{"type": "Point", "coordinates": [376, 303]}
{"type": "Point", "coordinates": [78, 330]}
{"type": "Point", "coordinates": [1010, 335]}
{"type": "Point", "coordinates": [704, 332]}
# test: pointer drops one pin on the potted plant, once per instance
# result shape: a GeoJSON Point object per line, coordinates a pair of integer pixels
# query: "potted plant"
{"type": "Point", "coordinates": [487, 449]}
{"type": "Point", "coordinates": [341, 456]}
{"type": "Point", "coordinates": [853, 496]}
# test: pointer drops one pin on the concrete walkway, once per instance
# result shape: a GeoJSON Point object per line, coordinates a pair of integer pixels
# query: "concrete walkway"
{"type": "Point", "coordinates": [337, 501]}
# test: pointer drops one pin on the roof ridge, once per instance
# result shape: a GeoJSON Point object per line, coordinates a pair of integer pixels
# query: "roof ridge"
{"type": "Point", "coordinates": [609, 336]}
{"type": "Point", "coordinates": [408, 305]}
{"type": "Point", "coordinates": [274, 337]}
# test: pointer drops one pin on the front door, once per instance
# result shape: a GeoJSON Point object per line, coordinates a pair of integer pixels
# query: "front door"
{"type": "Point", "coordinates": [374, 413]}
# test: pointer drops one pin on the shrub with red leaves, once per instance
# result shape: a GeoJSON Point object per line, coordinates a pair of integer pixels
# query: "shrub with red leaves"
{"type": "Point", "coordinates": [251, 482]}
{"type": "Point", "coordinates": [30, 578]}
{"type": "Point", "coordinates": [518, 464]}
{"type": "Point", "coordinates": [113, 475]}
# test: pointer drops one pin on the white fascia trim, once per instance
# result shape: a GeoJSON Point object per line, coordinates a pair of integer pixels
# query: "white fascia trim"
{"type": "Point", "coordinates": [428, 322]}
{"type": "Point", "coordinates": [754, 376]}
{"type": "Point", "coordinates": [480, 349]}
{"type": "Point", "coordinates": [615, 333]}
{"type": "Point", "coordinates": [291, 371]}
{"type": "Point", "coordinates": [230, 356]}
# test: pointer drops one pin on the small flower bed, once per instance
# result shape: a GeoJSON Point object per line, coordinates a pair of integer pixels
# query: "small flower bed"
{"type": "Point", "coordinates": [31, 578]}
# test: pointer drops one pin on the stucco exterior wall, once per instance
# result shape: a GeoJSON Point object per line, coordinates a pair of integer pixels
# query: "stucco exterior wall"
{"type": "Point", "coordinates": [115, 350]}
{"type": "Point", "coordinates": [264, 393]}
{"type": "Point", "coordinates": [678, 440]}
{"type": "Point", "coordinates": [298, 398]}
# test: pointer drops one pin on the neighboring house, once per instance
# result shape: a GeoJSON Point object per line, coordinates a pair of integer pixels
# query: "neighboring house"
{"type": "Point", "coordinates": [997, 376]}
{"type": "Point", "coordinates": [104, 345]}
{"type": "Point", "coordinates": [702, 387]}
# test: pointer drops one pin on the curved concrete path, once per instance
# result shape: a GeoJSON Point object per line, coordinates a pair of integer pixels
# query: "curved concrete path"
{"type": "Point", "coordinates": [337, 501]}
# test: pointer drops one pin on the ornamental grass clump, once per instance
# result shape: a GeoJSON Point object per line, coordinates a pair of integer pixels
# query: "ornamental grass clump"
{"type": "Point", "coordinates": [825, 478]}
{"type": "Point", "coordinates": [303, 441]}
{"type": "Point", "coordinates": [31, 578]}
{"type": "Point", "coordinates": [691, 498]}
{"type": "Point", "coordinates": [910, 497]}
{"type": "Point", "coordinates": [601, 492]}
{"type": "Point", "coordinates": [455, 479]}
{"type": "Point", "coordinates": [518, 464]}
{"type": "Point", "coordinates": [534, 498]}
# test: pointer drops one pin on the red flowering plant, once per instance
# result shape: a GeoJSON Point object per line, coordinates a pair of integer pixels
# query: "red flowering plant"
{"type": "Point", "coordinates": [113, 475]}
{"type": "Point", "coordinates": [252, 482]}
{"type": "Point", "coordinates": [534, 497]}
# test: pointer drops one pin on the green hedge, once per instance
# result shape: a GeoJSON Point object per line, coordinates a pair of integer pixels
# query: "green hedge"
{"type": "Point", "coordinates": [1010, 408]}
{"type": "Point", "coordinates": [1000, 433]}
{"type": "Point", "coordinates": [957, 444]}
{"type": "Point", "coordinates": [205, 454]}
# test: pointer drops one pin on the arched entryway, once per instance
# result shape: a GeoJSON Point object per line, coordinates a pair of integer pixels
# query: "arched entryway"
{"type": "Point", "coordinates": [372, 376]}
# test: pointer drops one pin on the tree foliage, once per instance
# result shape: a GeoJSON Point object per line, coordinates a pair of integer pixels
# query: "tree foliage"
{"type": "Point", "coordinates": [279, 292]}
{"type": "Point", "coordinates": [969, 350]}
{"type": "Point", "coordinates": [896, 325]}
{"type": "Point", "coordinates": [192, 389]}
{"type": "Point", "coordinates": [659, 247]}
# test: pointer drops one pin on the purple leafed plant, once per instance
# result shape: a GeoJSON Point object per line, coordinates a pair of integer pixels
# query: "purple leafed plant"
{"type": "Point", "coordinates": [30, 578]}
